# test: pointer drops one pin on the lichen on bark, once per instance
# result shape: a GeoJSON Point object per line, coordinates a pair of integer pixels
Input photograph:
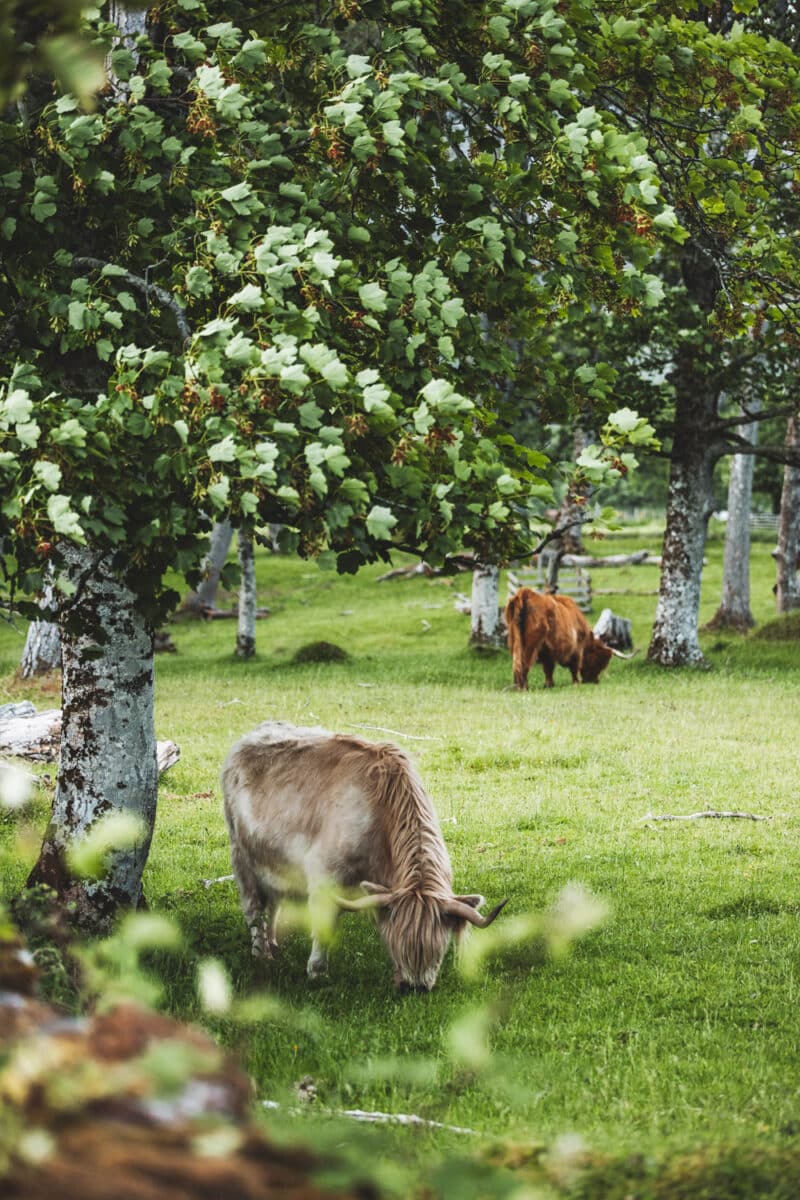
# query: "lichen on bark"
{"type": "Point", "coordinates": [108, 748]}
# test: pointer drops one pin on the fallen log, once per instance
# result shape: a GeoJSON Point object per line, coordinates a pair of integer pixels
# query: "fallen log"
{"type": "Point", "coordinates": [33, 735]}
{"type": "Point", "coordinates": [611, 560]}
{"type": "Point", "coordinates": [37, 736]}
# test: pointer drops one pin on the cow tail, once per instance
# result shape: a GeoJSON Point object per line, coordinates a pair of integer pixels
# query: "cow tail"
{"type": "Point", "coordinates": [522, 615]}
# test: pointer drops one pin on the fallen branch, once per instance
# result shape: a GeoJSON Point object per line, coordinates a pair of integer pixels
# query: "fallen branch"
{"type": "Point", "coordinates": [420, 568]}
{"type": "Point", "coordinates": [224, 614]}
{"type": "Point", "coordinates": [452, 564]}
{"type": "Point", "coordinates": [623, 592]}
{"type": "Point", "coordinates": [713, 813]}
{"type": "Point", "coordinates": [396, 733]}
{"type": "Point", "coordinates": [373, 1118]}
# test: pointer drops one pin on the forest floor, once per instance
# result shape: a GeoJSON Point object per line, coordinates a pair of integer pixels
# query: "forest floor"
{"type": "Point", "coordinates": [657, 1057]}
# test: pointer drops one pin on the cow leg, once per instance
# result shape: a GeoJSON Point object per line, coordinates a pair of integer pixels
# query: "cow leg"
{"type": "Point", "coordinates": [260, 909]}
{"type": "Point", "coordinates": [574, 665]}
{"type": "Point", "coordinates": [324, 914]}
{"type": "Point", "coordinates": [548, 666]}
{"type": "Point", "coordinates": [522, 664]}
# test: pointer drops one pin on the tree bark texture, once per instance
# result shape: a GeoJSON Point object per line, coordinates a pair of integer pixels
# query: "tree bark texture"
{"type": "Point", "coordinates": [246, 630]}
{"type": "Point", "coordinates": [485, 608]}
{"type": "Point", "coordinates": [787, 590]}
{"type": "Point", "coordinates": [573, 506]}
{"type": "Point", "coordinates": [689, 504]}
{"type": "Point", "coordinates": [734, 610]}
{"type": "Point", "coordinates": [108, 747]}
{"type": "Point", "coordinates": [205, 598]}
{"type": "Point", "coordinates": [42, 651]}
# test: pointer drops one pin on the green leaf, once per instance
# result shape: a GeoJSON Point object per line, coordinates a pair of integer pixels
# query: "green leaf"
{"type": "Point", "coordinates": [219, 492]}
{"type": "Point", "coordinates": [17, 407]}
{"type": "Point", "coordinates": [380, 522]}
{"type": "Point", "coordinates": [373, 297]}
{"type": "Point", "coordinates": [64, 520]}
{"type": "Point", "coordinates": [48, 474]}
{"type": "Point", "coordinates": [224, 451]}
{"type": "Point", "coordinates": [452, 311]}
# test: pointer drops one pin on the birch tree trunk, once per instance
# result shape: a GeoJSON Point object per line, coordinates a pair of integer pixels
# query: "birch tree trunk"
{"type": "Point", "coordinates": [573, 505]}
{"type": "Point", "coordinates": [485, 610]}
{"type": "Point", "coordinates": [787, 590]}
{"type": "Point", "coordinates": [42, 651]}
{"type": "Point", "coordinates": [108, 746]}
{"type": "Point", "coordinates": [690, 502]}
{"type": "Point", "coordinates": [206, 595]}
{"type": "Point", "coordinates": [734, 610]}
{"type": "Point", "coordinates": [246, 632]}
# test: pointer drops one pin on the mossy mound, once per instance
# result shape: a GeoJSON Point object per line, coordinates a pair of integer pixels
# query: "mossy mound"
{"type": "Point", "coordinates": [320, 652]}
{"type": "Point", "coordinates": [782, 629]}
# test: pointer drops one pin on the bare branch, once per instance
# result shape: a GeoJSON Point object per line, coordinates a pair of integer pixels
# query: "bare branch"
{"type": "Point", "coordinates": [165, 298]}
{"type": "Point", "coordinates": [743, 816]}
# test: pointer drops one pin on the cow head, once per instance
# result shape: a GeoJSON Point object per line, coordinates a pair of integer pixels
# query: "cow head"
{"type": "Point", "coordinates": [416, 928]}
{"type": "Point", "coordinates": [596, 657]}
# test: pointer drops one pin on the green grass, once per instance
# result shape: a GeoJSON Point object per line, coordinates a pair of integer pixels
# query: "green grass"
{"type": "Point", "coordinates": [673, 1026]}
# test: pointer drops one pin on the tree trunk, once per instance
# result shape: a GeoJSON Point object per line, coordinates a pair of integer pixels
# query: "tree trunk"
{"type": "Point", "coordinates": [108, 747]}
{"type": "Point", "coordinates": [787, 590]}
{"type": "Point", "coordinates": [42, 652]}
{"type": "Point", "coordinates": [246, 632]}
{"type": "Point", "coordinates": [734, 610]}
{"type": "Point", "coordinates": [485, 612]}
{"type": "Point", "coordinates": [205, 597]}
{"type": "Point", "coordinates": [573, 505]}
{"type": "Point", "coordinates": [690, 503]}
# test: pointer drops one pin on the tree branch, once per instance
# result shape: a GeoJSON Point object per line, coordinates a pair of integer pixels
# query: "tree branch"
{"type": "Point", "coordinates": [746, 417]}
{"type": "Point", "coordinates": [165, 298]}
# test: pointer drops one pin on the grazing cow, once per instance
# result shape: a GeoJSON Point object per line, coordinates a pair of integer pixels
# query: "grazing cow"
{"type": "Point", "coordinates": [309, 811]}
{"type": "Point", "coordinates": [553, 630]}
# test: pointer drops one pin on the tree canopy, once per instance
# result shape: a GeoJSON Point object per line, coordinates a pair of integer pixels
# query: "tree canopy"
{"type": "Point", "coordinates": [292, 263]}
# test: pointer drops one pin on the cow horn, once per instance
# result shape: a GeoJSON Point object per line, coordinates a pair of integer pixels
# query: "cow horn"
{"type": "Point", "coordinates": [619, 654]}
{"type": "Point", "coordinates": [465, 912]}
{"type": "Point", "coordinates": [374, 900]}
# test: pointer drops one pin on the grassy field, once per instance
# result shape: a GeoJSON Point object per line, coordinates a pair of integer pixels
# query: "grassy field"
{"type": "Point", "coordinates": [671, 1030]}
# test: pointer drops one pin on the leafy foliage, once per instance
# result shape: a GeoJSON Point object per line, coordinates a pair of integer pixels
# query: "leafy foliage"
{"type": "Point", "coordinates": [297, 269]}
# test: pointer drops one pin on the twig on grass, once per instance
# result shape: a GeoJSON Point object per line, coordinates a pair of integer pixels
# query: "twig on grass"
{"type": "Point", "coordinates": [374, 1118]}
{"type": "Point", "coordinates": [395, 733]}
{"type": "Point", "coordinates": [742, 816]}
{"type": "Point", "coordinates": [220, 879]}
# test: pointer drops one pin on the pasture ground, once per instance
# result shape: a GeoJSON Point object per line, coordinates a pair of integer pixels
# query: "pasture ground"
{"type": "Point", "coordinates": [662, 1051]}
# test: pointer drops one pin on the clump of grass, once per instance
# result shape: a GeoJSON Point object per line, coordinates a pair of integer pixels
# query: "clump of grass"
{"type": "Point", "coordinates": [782, 629]}
{"type": "Point", "coordinates": [320, 652]}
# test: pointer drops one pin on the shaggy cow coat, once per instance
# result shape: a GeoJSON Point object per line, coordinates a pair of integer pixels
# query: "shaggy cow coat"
{"type": "Point", "coordinates": [310, 812]}
{"type": "Point", "coordinates": [553, 631]}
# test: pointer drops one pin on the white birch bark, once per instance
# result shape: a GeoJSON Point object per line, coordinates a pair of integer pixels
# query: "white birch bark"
{"type": "Point", "coordinates": [674, 641]}
{"type": "Point", "coordinates": [734, 610]}
{"type": "Point", "coordinates": [42, 651]}
{"type": "Point", "coordinates": [246, 631]}
{"type": "Point", "coordinates": [787, 590]}
{"type": "Point", "coordinates": [485, 607]}
{"type": "Point", "coordinates": [108, 747]}
{"type": "Point", "coordinates": [219, 544]}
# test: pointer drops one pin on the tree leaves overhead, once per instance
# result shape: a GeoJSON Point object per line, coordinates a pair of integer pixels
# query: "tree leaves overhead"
{"type": "Point", "coordinates": [367, 225]}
